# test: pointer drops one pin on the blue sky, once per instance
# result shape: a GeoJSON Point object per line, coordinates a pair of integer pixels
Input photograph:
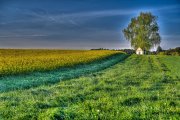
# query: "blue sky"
{"type": "Point", "coordinates": [81, 24]}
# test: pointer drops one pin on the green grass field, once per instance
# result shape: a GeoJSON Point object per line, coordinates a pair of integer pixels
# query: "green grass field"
{"type": "Point", "coordinates": [118, 87]}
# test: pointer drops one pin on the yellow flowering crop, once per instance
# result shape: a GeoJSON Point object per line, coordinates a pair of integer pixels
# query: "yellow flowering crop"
{"type": "Point", "coordinates": [15, 61]}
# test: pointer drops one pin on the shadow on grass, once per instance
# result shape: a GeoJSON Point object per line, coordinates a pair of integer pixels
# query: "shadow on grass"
{"type": "Point", "coordinates": [35, 79]}
{"type": "Point", "coordinates": [131, 101]}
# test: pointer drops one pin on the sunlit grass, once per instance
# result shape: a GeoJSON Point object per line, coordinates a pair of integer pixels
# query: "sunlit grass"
{"type": "Point", "coordinates": [140, 87]}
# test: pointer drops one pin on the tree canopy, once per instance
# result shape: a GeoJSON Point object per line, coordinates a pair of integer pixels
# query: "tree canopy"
{"type": "Point", "coordinates": [143, 31]}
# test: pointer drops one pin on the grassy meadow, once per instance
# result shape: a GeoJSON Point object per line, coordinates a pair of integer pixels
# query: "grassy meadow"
{"type": "Point", "coordinates": [118, 87]}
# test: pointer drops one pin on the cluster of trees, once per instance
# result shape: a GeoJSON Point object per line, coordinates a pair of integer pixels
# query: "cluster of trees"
{"type": "Point", "coordinates": [128, 51]}
{"type": "Point", "coordinates": [174, 51]}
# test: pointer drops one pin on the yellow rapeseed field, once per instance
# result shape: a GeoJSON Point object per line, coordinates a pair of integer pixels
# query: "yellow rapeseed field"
{"type": "Point", "coordinates": [16, 61]}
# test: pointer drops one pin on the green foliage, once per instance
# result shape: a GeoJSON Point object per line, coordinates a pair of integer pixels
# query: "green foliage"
{"type": "Point", "coordinates": [128, 51]}
{"type": "Point", "coordinates": [173, 52]}
{"type": "Point", "coordinates": [143, 31]}
{"type": "Point", "coordinates": [140, 87]}
{"type": "Point", "coordinates": [161, 53]}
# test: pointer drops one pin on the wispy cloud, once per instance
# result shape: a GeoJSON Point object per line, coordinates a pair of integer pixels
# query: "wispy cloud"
{"type": "Point", "coordinates": [17, 36]}
{"type": "Point", "coordinates": [76, 17]}
{"type": "Point", "coordinates": [73, 18]}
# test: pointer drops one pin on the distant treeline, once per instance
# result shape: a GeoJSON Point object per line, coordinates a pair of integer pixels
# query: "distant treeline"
{"type": "Point", "coordinates": [171, 51]}
{"type": "Point", "coordinates": [100, 49]}
{"type": "Point", "coordinates": [159, 51]}
{"type": "Point", "coordinates": [128, 51]}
